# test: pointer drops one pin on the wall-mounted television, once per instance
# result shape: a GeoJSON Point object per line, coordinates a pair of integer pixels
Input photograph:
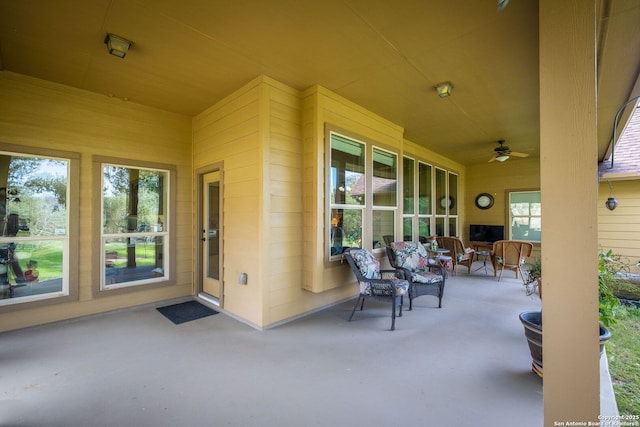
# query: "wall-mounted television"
{"type": "Point", "coordinates": [486, 233]}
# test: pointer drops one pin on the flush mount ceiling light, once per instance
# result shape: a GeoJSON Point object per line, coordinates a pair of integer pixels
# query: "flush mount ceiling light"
{"type": "Point", "coordinates": [117, 45]}
{"type": "Point", "coordinates": [444, 89]}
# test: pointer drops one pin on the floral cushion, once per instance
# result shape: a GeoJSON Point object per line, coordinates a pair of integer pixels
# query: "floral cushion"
{"type": "Point", "coordinates": [426, 277]}
{"type": "Point", "coordinates": [398, 287]}
{"type": "Point", "coordinates": [410, 255]}
{"type": "Point", "coordinates": [501, 261]}
{"type": "Point", "coordinates": [368, 265]}
{"type": "Point", "coordinates": [446, 261]}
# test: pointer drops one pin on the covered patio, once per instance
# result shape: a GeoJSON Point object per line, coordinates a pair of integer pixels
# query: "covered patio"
{"type": "Point", "coordinates": [465, 364]}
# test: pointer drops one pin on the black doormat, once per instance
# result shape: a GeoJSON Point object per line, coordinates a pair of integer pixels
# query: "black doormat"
{"type": "Point", "coordinates": [186, 311]}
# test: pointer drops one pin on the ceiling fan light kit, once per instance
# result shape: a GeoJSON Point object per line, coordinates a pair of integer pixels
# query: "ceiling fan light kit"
{"type": "Point", "coordinates": [502, 153]}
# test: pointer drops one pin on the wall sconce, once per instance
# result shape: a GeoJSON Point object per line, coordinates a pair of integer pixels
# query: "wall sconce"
{"type": "Point", "coordinates": [117, 45]}
{"type": "Point", "coordinates": [444, 89]}
{"type": "Point", "coordinates": [611, 202]}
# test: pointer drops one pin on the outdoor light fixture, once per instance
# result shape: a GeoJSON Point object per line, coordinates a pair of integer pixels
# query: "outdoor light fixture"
{"type": "Point", "coordinates": [502, 157]}
{"type": "Point", "coordinates": [444, 89]}
{"type": "Point", "coordinates": [117, 45]}
{"type": "Point", "coordinates": [611, 202]}
{"type": "Point", "coordinates": [615, 126]}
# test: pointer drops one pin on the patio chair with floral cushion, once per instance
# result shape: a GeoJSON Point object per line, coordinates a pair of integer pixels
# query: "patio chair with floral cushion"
{"type": "Point", "coordinates": [460, 254]}
{"type": "Point", "coordinates": [510, 255]}
{"type": "Point", "coordinates": [375, 283]}
{"type": "Point", "coordinates": [426, 275]}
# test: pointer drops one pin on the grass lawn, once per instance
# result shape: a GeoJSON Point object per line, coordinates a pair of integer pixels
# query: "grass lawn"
{"type": "Point", "coordinates": [623, 351]}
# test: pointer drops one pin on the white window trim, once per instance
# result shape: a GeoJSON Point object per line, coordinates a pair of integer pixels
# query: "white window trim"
{"type": "Point", "coordinates": [169, 242]}
{"type": "Point", "coordinates": [69, 291]}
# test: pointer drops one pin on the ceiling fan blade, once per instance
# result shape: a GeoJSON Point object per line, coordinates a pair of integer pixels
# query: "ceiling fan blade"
{"type": "Point", "coordinates": [516, 154]}
{"type": "Point", "coordinates": [492, 159]}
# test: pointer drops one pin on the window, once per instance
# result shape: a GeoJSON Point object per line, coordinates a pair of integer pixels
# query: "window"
{"type": "Point", "coordinates": [425, 205]}
{"type": "Point", "coordinates": [408, 197]}
{"type": "Point", "coordinates": [436, 193]}
{"type": "Point", "coordinates": [135, 225]}
{"type": "Point", "coordinates": [347, 193]}
{"type": "Point", "coordinates": [385, 172]}
{"type": "Point", "coordinates": [525, 215]}
{"type": "Point", "coordinates": [35, 223]}
{"type": "Point", "coordinates": [362, 195]}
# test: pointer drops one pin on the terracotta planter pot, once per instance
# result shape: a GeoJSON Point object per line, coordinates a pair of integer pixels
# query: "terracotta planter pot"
{"type": "Point", "coordinates": [532, 322]}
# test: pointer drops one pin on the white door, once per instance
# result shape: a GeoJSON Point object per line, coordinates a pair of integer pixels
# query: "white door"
{"type": "Point", "coordinates": [211, 239]}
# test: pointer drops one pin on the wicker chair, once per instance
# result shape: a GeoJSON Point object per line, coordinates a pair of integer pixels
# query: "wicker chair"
{"type": "Point", "coordinates": [426, 276]}
{"type": "Point", "coordinates": [459, 253]}
{"type": "Point", "coordinates": [510, 255]}
{"type": "Point", "coordinates": [376, 283]}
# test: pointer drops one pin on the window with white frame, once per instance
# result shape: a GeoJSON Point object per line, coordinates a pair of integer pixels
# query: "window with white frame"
{"type": "Point", "coordinates": [525, 215]}
{"type": "Point", "coordinates": [362, 195]}
{"type": "Point", "coordinates": [425, 201]}
{"type": "Point", "coordinates": [135, 225]}
{"type": "Point", "coordinates": [385, 199]}
{"type": "Point", "coordinates": [34, 224]}
{"type": "Point", "coordinates": [429, 201]}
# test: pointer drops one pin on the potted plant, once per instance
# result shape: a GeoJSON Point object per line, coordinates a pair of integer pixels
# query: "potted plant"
{"type": "Point", "coordinates": [533, 281]}
{"type": "Point", "coordinates": [532, 320]}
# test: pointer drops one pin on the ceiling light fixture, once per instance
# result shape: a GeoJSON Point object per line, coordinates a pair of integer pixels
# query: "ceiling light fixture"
{"type": "Point", "coordinates": [502, 157]}
{"type": "Point", "coordinates": [117, 45]}
{"type": "Point", "coordinates": [444, 89]}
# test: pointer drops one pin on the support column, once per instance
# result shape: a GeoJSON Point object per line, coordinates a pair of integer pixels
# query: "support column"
{"type": "Point", "coordinates": [569, 186]}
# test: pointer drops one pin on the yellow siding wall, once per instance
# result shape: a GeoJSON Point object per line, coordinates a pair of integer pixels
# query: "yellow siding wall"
{"type": "Point", "coordinates": [229, 132]}
{"type": "Point", "coordinates": [321, 107]}
{"type": "Point", "coordinates": [619, 230]}
{"type": "Point", "coordinates": [37, 113]}
{"type": "Point", "coordinates": [497, 179]}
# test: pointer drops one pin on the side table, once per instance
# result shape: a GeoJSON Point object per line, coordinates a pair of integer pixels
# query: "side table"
{"type": "Point", "coordinates": [485, 255]}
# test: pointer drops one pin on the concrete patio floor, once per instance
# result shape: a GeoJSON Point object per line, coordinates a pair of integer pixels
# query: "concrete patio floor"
{"type": "Point", "coordinates": [466, 364]}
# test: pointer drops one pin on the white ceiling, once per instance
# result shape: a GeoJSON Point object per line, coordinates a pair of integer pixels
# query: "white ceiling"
{"type": "Point", "coordinates": [385, 56]}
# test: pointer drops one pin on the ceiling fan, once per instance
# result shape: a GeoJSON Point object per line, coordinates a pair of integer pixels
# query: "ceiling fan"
{"type": "Point", "coordinates": [503, 153]}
